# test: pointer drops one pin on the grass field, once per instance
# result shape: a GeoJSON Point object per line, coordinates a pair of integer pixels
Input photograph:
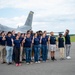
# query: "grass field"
{"type": "Point", "coordinates": [72, 38]}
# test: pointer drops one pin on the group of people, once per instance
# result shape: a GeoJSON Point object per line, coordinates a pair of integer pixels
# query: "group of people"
{"type": "Point", "coordinates": [18, 46]}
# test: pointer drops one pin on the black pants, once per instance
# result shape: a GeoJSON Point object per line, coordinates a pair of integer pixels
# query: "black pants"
{"type": "Point", "coordinates": [13, 56]}
{"type": "Point", "coordinates": [17, 55]}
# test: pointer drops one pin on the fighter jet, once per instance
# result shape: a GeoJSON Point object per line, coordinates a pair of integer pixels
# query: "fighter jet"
{"type": "Point", "coordinates": [27, 26]}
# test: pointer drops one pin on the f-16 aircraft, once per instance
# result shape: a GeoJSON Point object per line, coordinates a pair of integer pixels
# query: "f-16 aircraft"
{"type": "Point", "coordinates": [22, 29]}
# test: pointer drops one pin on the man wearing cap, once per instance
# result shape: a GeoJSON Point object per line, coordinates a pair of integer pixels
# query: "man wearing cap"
{"type": "Point", "coordinates": [61, 46]}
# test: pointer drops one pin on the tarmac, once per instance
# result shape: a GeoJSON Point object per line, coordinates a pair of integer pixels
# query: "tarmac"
{"type": "Point", "coordinates": [59, 67]}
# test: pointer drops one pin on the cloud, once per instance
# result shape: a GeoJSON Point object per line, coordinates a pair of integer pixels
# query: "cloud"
{"type": "Point", "coordinates": [28, 3]}
{"type": "Point", "coordinates": [44, 7]}
{"type": "Point", "coordinates": [13, 22]}
{"type": "Point", "coordinates": [51, 15]}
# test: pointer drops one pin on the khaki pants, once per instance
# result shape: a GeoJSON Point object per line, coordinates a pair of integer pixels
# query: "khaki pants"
{"type": "Point", "coordinates": [21, 53]}
{"type": "Point", "coordinates": [3, 53]}
{"type": "Point", "coordinates": [61, 52]}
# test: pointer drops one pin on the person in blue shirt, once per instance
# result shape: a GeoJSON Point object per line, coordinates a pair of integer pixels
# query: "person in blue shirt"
{"type": "Point", "coordinates": [61, 45]}
{"type": "Point", "coordinates": [13, 36]}
{"type": "Point", "coordinates": [52, 47]}
{"type": "Point", "coordinates": [67, 43]}
{"type": "Point", "coordinates": [36, 43]}
{"type": "Point", "coordinates": [21, 48]}
{"type": "Point", "coordinates": [27, 47]}
{"type": "Point", "coordinates": [39, 34]}
{"type": "Point", "coordinates": [2, 47]}
{"type": "Point", "coordinates": [17, 44]}
{"type": "Point", "coordinates": [9, 48]}
{"type": "Point", "coordinates": [46, 36]}
{"type": "Point", "coordinates": [44, 47]}
{"type": "Point", "coordinates": [32, 34]}
{"type": "Point", "coordinates": [0, 39]}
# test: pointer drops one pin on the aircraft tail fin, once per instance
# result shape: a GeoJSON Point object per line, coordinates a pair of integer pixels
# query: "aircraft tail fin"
{"type": "Point", "coordinates": [29, 19]}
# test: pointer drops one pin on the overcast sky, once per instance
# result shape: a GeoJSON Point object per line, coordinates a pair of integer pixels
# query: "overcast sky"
{"type": "Point", "coordinates": [50, 15]}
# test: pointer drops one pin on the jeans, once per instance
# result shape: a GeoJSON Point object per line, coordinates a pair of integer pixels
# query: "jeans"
{"type": "Point", "coordinates": [28, 54]}
{"type": "Point", "coordinates": [39, 53]}
{"type": "Point", "coordinates": [68, 50]}
{"type": "Point", "coordinates": [47, 51]}
{"type": "Point", "coordinates": [44, 52]}
{"type": "Point", "coordinates": [36, 53]}
{"type": "Point", "coordinates": [9, 51]}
